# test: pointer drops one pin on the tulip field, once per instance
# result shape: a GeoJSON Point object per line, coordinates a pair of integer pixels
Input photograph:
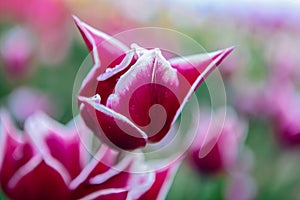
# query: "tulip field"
{"type": "Point", "coordinates": [149, 100]}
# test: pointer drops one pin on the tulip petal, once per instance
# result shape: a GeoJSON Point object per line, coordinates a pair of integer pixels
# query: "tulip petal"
{"type": "Point", "coordinates": [107, 52]}
{"type": "Point", "coordinates": [14, 152]}
{"type": "Point", "coordinates": [55, 140]}
{"type": "Point", "coordinates": [99, 176]}
{"type": "Point", "coordinates": [140, 183]}
{"type": "Point", "coordinates": [162, 183]}
{"type": "Point", "coordinates": [105, 157]}
{"type": "Point", "coordinates": [200, 65]}
{"type": "Point", "coordinates": [117, 128]}
{"type": "Point", "coordinates": [108, 79]}
{"type": "Point", "coordinates": [29, 182]}
{"type": "Point", "coordinates": [148, 87]}
{"type": "Point", "coordinates": [194, 69]}
{"type": "Point", "coordinates": [108, 47]}
{"type": "Point", "coordinates": [108, 194]}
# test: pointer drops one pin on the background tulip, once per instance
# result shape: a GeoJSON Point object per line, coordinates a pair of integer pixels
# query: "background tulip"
{"type": "Point", "coordinates": [216, 148]}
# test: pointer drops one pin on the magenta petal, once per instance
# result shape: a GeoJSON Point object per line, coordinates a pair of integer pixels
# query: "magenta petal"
{"type": "Point", "coordinates": [200, 65]}
{"type": "Point", "coordinates": [14, 152]}
{"type": "Point", "coordinates": [211, 163]}
{"type": "Point", "coordinates": [53, 139]}
{"type": "Point", "coordinates": [108, 53]}
{"type": "Point", "coordinates": [106, 46]}
{"type": "Point", "coordinates": [110, 126]}
{"type": "Point", "coordinates": [146, 88]}
{"type": "Point", "coordinates": [99, 176]}
{"type": "Point", "coordinates": [108, 194]}
{"type": "Point", "coordinates": [108, 80]}
{"type": "Point", "coordinates": [216, 146]}
{"type": "Point", "coordinates": [162, 183]}
{"type": "Point", "coordinates": [41, 182]}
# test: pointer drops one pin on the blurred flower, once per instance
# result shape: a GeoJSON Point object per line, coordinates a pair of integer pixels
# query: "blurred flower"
{"type": "Point", "coordinates": [282, 56]}
{"type": "Point", "coordinates": [241, 185]}
{"type": "Point", "coordinates": [48, 20]}
{"type": "Point", "coordinates": [282, 100]}
{"type": "Point", "coordinates": [48, 161]}
{"type": "Point", "coordinates": [216, 147]}
{"type": "Point", "coordinates": [126, 84]}
{"type": "Point", "coordinates": [25, 101]}
{"type": "Point", "coordinates": [16, 52]}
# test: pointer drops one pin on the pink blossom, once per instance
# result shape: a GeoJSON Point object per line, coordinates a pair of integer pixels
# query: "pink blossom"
{"type": "Point", "coordinates": [126, 85]}
{"type": "Point", "coordinates": [48, 20]}
{"type": "Point", "coordinates": [283, 100]}
{"type": "Point", "coordinates": [49, 161]}
{"type": "Point", "coordinates": [25, 101]}
{"type": "Point", "coordinates": [16, 52]}
{"type": "Point", "coordinates": [216, 147]}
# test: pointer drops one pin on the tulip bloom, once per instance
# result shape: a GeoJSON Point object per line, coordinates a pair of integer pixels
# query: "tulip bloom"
{"type": "Point", "coordinates": [216, 146]}
{"type": "Point", "coordinates": [16, 52]}
{"type": "Point", "coordinates": [49, 25]}
{"type": "Point", "coordinates": [25, 101]}
{"type": "Point", "coordinates": [48, 161]}
{"type": "Point", "coordinates": [282, 100]}
{"type": "Point", "coordinates": [132, 96]}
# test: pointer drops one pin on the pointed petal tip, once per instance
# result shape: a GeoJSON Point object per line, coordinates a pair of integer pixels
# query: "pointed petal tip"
{"type": "Point", "coordinates": [75, 17]}
{"type": "Point", "coordinates": [219, 56]}
{"type": "Point", "coordinates": [77, 20]}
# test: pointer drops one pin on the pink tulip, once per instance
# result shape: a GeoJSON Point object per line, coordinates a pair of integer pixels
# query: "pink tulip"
{"type": "Point", "coordinates": [241, 187]}
{"type": "Point", "coordinates": [283, 100]}
{"type": "Point", "coordinates": [49, 161]}
{"type": "Point", "coordinates": [16, 52]}
{"type": "Point", "coordinates": [48, 20]}
{"type": "Point", "coordinates": [216, 146]}
{"type": "Point", "coordinates": [24, 101]}
{"type": "Point", "coordinates": [126, 85]}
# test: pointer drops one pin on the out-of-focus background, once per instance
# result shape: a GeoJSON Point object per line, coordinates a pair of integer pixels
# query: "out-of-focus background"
{"type": "Point", "coordinates": [41, 51]}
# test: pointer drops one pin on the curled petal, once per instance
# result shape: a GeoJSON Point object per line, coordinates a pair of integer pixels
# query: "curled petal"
{"type": "Point", "coordinates": [108, 79]}
{"type": "Point", "coordinates": [117, 128]}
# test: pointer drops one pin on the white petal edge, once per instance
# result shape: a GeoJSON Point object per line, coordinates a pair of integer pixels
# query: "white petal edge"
{"type": "Point", "coordinates": [25, 169]}
{"type": "Point", "coordinates": [168, 181]}
{"type": "Point", "coordinates": [137, 189]}
{"type": "Point", "coordinates": [100, 34]}
{"type": "Point", "coordinates": [114, 170]}
{"type": "Point", "coordinates": [109, 72]}
{"type": "Point", "coordinates": [148, 56]}
{"type": "Point", "coordinates": [33, 163]}
{"type": "Point", "coordinates": [100, 193]}
{"type": "Point", "coordinates": [95, 103]}
{"type": "Point", "coordinates": [202, 75]}
{"type": "Point", "coordinates": [7, 127]}
{"type": "Point", "coordinates": [89, 167]}
{"type": "Point", "coordinates": [39, 126]}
